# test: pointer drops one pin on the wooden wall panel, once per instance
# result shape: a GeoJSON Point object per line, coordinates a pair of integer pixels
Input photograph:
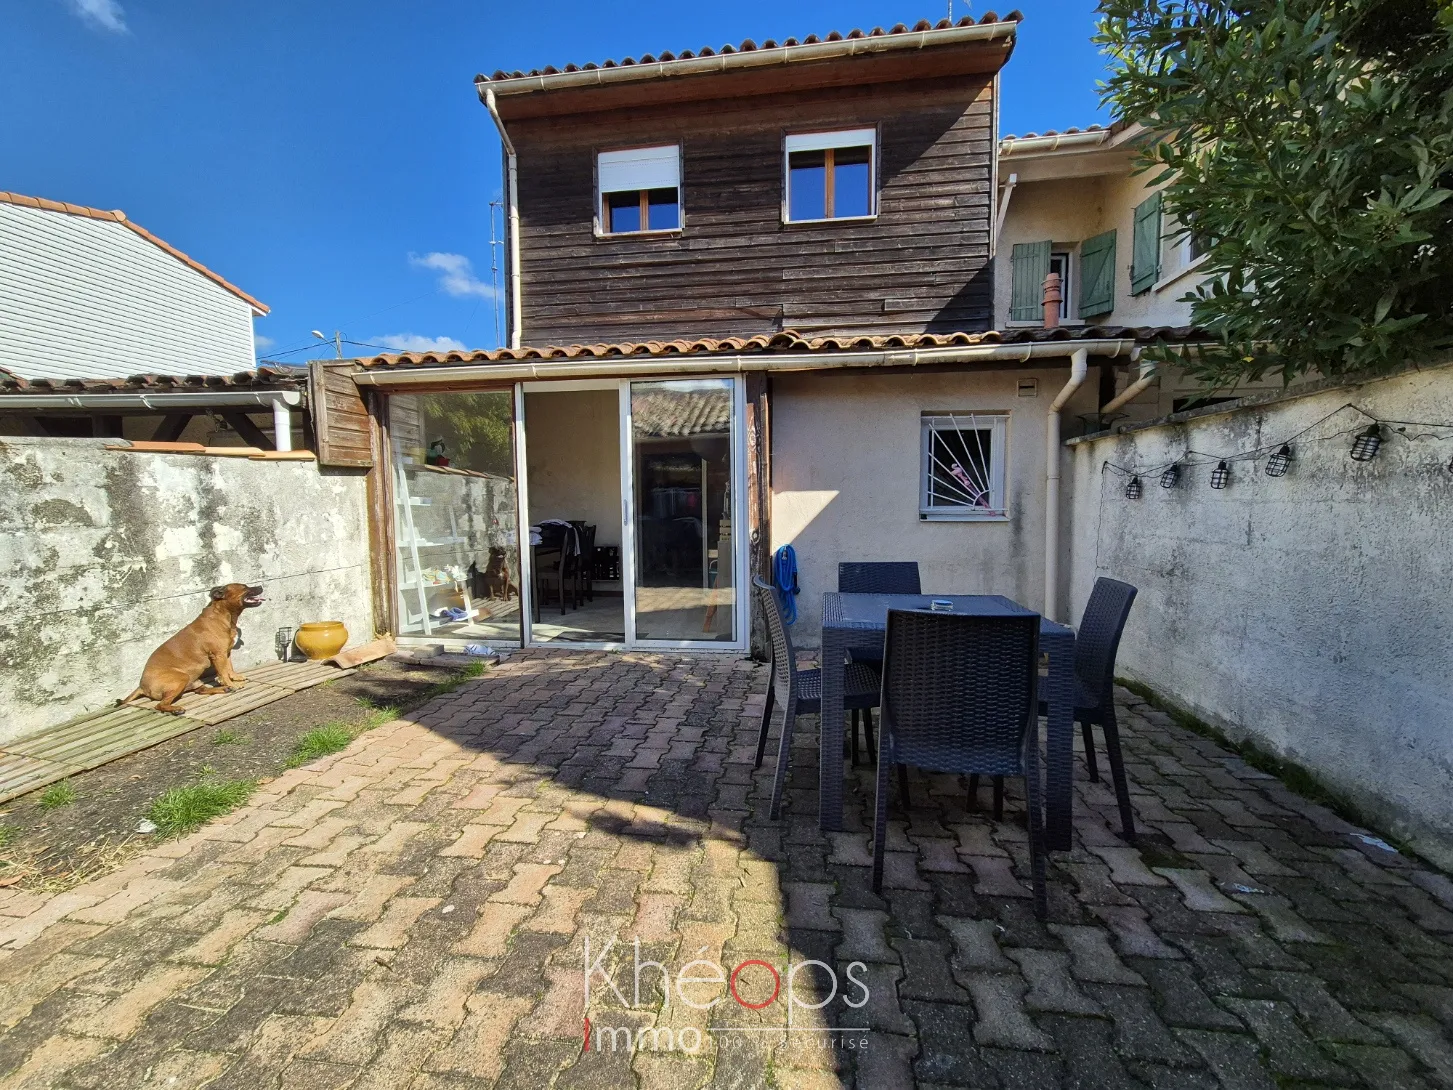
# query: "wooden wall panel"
{"type": "Point", "coordinates": [922, 265]}
{"type": "Point", "coordinates": [341, 424]}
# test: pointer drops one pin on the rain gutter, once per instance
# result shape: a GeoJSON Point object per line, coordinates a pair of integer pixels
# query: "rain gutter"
{"type": "Point", "coordinates": [403, 377]}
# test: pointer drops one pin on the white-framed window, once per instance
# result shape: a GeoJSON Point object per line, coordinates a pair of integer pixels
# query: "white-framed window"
{"type": "Point", "coordinates": [640, 190]}
{"type": "Point", "coordinates": [962, 469]}
{"type": "Point", "coordinates": [1181, 250]}
{"type": "Point", "coordinates": [831, 176]}
{"type": "Point", "coordinates": [1062, 262]}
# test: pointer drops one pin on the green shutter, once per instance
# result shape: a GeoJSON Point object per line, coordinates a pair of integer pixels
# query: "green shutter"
{"type": "Point", "coordinates": [1097, 275]}
{"type": "Point", "coordinates": [1145, 257]}
{"type": "Point", "coordinates": [1031, 266]}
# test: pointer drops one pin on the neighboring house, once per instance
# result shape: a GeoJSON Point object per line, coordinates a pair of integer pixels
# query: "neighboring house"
{"type": "Point", "coordinates": [134, 332]}
{"type": "Point", "coordinates": [793, 241]}
{"type": "Point", "coordinates": [1076, 203]}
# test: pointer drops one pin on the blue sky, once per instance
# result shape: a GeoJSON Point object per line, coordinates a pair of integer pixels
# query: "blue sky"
{"type": "Point", "coordinates": [331, 157]}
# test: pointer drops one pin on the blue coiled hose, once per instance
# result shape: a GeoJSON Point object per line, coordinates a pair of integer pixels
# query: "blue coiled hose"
{"type": "Point", "coordinates": [784, 575]}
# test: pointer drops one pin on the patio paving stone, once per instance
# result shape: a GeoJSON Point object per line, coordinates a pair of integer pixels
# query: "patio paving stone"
{"type": "Point", "coordinates": [415, 912]}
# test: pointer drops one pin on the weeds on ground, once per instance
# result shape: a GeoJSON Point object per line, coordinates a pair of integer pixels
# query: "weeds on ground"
{"type": "Point", "coordinates": [456, 679]}
{"type": "Point", "coordinates": [7, 834]}
{"type": "Point", "coordinates": [229, 737]}
{"type": "Point", "coordinates": [57, 795]}
{"type": "Point", "coordinates": [183, 809]}
{"type": "Point", "coordinates": [321, 741]}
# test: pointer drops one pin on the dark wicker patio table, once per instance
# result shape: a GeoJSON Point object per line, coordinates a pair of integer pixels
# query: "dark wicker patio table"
{"type": "Point", "coordinates": [853, 622]}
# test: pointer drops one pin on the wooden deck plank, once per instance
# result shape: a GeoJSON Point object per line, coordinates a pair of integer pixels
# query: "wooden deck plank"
{"type": "Point", "coordinates": [20, 775]}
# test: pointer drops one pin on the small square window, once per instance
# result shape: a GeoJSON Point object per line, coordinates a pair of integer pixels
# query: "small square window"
{"type": "Point", "coordinates": [962, 471]}
{"type": "Point", "coordinates": [640, 190]}
{"type": "Point", "coordinates": [830, 175]}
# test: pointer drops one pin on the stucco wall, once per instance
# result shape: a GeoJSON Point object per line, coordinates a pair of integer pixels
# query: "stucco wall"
{"type": "Point", "coordinates": [845, 481]}
{"type": "Point", "coordinates": [573, 448]}
{"type": "Point", "coordinates": [1310, 612]}
{"type": "Point", "coordinates": [1068, 211]}
{"type": "Point", "coordinates": [106, 554]}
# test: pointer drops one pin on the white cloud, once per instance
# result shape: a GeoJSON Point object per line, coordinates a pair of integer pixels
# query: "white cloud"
{"type": "Point", "coordinates": [413, 342]}
{"type": "Point", "coordinates": [263, 343]}
{"type": "Point", "coordinates": [456, 274]}
{"type": "Point", "coordinates": [101, 14]}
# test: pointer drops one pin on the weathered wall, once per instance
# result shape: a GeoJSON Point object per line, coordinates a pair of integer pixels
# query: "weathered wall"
{"type": "Point", "coordinates": [106, 554]}
{"type": "Point", "coordinates": [845, 481]}
{"type": "Point", "coordinates": [1311, 612]}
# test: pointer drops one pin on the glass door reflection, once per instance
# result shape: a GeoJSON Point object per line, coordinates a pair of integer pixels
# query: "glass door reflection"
{"type": "Point", "coordinates": [681, 459]}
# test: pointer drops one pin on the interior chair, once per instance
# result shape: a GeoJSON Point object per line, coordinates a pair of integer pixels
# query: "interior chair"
{"type": "Point", "coordinates": [794, 692]}
{"type": "Point", "coordinates": [1096, 644]}
{"type": "Point", "coordinates": [874, 577]}
{"type": "Point", "coordinates": [960, 695]}
{"type": "Point", "coordinates": [585, 563]}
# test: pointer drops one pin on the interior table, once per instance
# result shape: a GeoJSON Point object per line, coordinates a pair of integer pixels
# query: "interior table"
{"type": "Point", "coordinates": [852, 622]}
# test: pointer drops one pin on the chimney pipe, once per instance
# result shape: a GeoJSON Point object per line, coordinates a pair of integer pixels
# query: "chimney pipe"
{"type": "Point", "coordinates": [1053, 297]}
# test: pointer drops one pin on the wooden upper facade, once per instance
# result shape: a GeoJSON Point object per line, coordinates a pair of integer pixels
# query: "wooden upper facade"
{"type": "Point", "coordinates": [735, 260]}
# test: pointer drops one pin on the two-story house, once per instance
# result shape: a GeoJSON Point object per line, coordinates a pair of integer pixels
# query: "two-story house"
{"type": "Point", "coordinates": [1078, 203]}
{"type": "Point", "coordinates": [751, 304]}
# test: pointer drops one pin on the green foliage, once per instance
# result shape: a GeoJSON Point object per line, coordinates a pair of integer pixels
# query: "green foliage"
{"type": "Point", "coordinates": [476, 428]}
{"type": "Point", "coordinates": [321, 741]}
{"type": "Point", "coordinates": [7, 834]}
{"type": "Point", "coordinates": [57, 795]}
{"type": "Point", "coordinates": [1310, 144]}
{"type": "Point", "coordinates": [183, 809]}
{"type": "Point", "coordinates": [229, 737]}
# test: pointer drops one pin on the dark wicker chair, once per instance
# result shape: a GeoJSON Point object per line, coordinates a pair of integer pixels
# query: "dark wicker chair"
{"type": "Point", "coordinates": [960, 694]}
{"type": "Point", "coordinates": [878, 577]}
{"type": "Point", "coordinates": [1096, 644]}
{"type": "Point", "coordinates": [799, 692]}
{"type": "Point", "coordinates": [874, 577]}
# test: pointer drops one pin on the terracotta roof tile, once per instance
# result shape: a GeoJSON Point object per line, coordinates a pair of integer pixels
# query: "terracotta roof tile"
{"type": "Point", "coordinates": [749, 46]}
{"type": "Point", "coordinates": [786, 341]}
{"type": "Point", "coordinates": [118, 216]}
{"type": "Point", "coordinates": [271, 378]}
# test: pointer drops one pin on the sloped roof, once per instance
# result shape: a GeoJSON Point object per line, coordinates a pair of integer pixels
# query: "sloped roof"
{"type": "Point", "coordinates": [118, 216]}
{"type": "Point", "coordinates": [750, 46]}
{"type": "Point", "coordinates": [786, 341]}
{"type": "Point", "coordinates": [263, 378]}
{"type": "Point", "coordinates": [681, 414]}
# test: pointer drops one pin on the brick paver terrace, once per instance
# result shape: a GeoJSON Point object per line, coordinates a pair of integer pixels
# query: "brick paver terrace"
{"type": "Point", "coordinates": [414, 912]}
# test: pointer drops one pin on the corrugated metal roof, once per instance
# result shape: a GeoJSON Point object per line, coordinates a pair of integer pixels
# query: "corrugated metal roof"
{"type": "Point", "coordinates": [270, 378]}
{"type": "Point", "coordinates": [750, 46]}
{"type": "Point", "coordinates": [786, 341]}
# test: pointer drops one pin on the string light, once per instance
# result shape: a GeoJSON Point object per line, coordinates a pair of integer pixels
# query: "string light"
{"type": "Point", "coordinates": [1132, 490]}
{"type": "Point", "coordinates": [1278, 464]}
{"type": "Point", "coordinates": [1367, 444]}
{"type": "Point", "coordinates": [1170, 477]}
{"type": "Point", "coordinates": [1221, 476]}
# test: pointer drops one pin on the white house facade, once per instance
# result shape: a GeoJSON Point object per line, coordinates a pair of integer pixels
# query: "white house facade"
{"type": "Point", "coordinates": [87, 294]}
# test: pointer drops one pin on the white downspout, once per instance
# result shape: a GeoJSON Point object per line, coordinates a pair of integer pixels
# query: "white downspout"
{"type": "Point", "coordinates": [1134, 390]}
{"type": "Point", "coordinates": [512, 199]}
{"type": "Point", "coordinates": [282, 425]}
{"type": "Point", "coordinates": [1079, 367]}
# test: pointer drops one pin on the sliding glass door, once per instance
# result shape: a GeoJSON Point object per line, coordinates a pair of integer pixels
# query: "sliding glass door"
{"type": "Point", "coordinates": [680, 477]}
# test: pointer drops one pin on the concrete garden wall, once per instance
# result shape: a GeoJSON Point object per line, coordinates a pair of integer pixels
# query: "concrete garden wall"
{"type": "Point", "coordinates": [1311, 613]}
{"type": "Point", "coordinates": [106, 554]}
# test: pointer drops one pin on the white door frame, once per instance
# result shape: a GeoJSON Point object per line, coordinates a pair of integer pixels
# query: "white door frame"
{"type": "Point", "coordinates": [740, 606]}
{"type": "Point", "coordinates": [740, 613]}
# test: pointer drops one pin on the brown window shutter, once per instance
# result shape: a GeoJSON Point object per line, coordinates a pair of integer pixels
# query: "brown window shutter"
{"type": "Point", "coordinates": [341, 424]}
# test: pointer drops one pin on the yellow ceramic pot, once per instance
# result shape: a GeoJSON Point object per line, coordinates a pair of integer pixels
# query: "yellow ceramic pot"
{"type": "Point", "coordinates": [321, 639]}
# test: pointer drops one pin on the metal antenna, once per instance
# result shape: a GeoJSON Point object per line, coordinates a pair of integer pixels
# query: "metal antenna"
{"type": "Point", "coordinates": [494, 272]}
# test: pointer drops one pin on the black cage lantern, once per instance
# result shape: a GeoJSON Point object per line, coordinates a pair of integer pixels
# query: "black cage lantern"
{"type": "Point", "coordinates": [1367, 444]}
{"type": "Point", "coordinates": [1221, 476]}
{"type": "Point", "coordinates": [1170, 477]}
{"type": "Point", "coordinates": [1132, 490]}
{"type": "Point", "coordinates": [1278, 464]}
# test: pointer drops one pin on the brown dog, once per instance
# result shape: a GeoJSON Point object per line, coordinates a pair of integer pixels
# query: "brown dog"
{"type": "Point", "coordinates": [177, 666]}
